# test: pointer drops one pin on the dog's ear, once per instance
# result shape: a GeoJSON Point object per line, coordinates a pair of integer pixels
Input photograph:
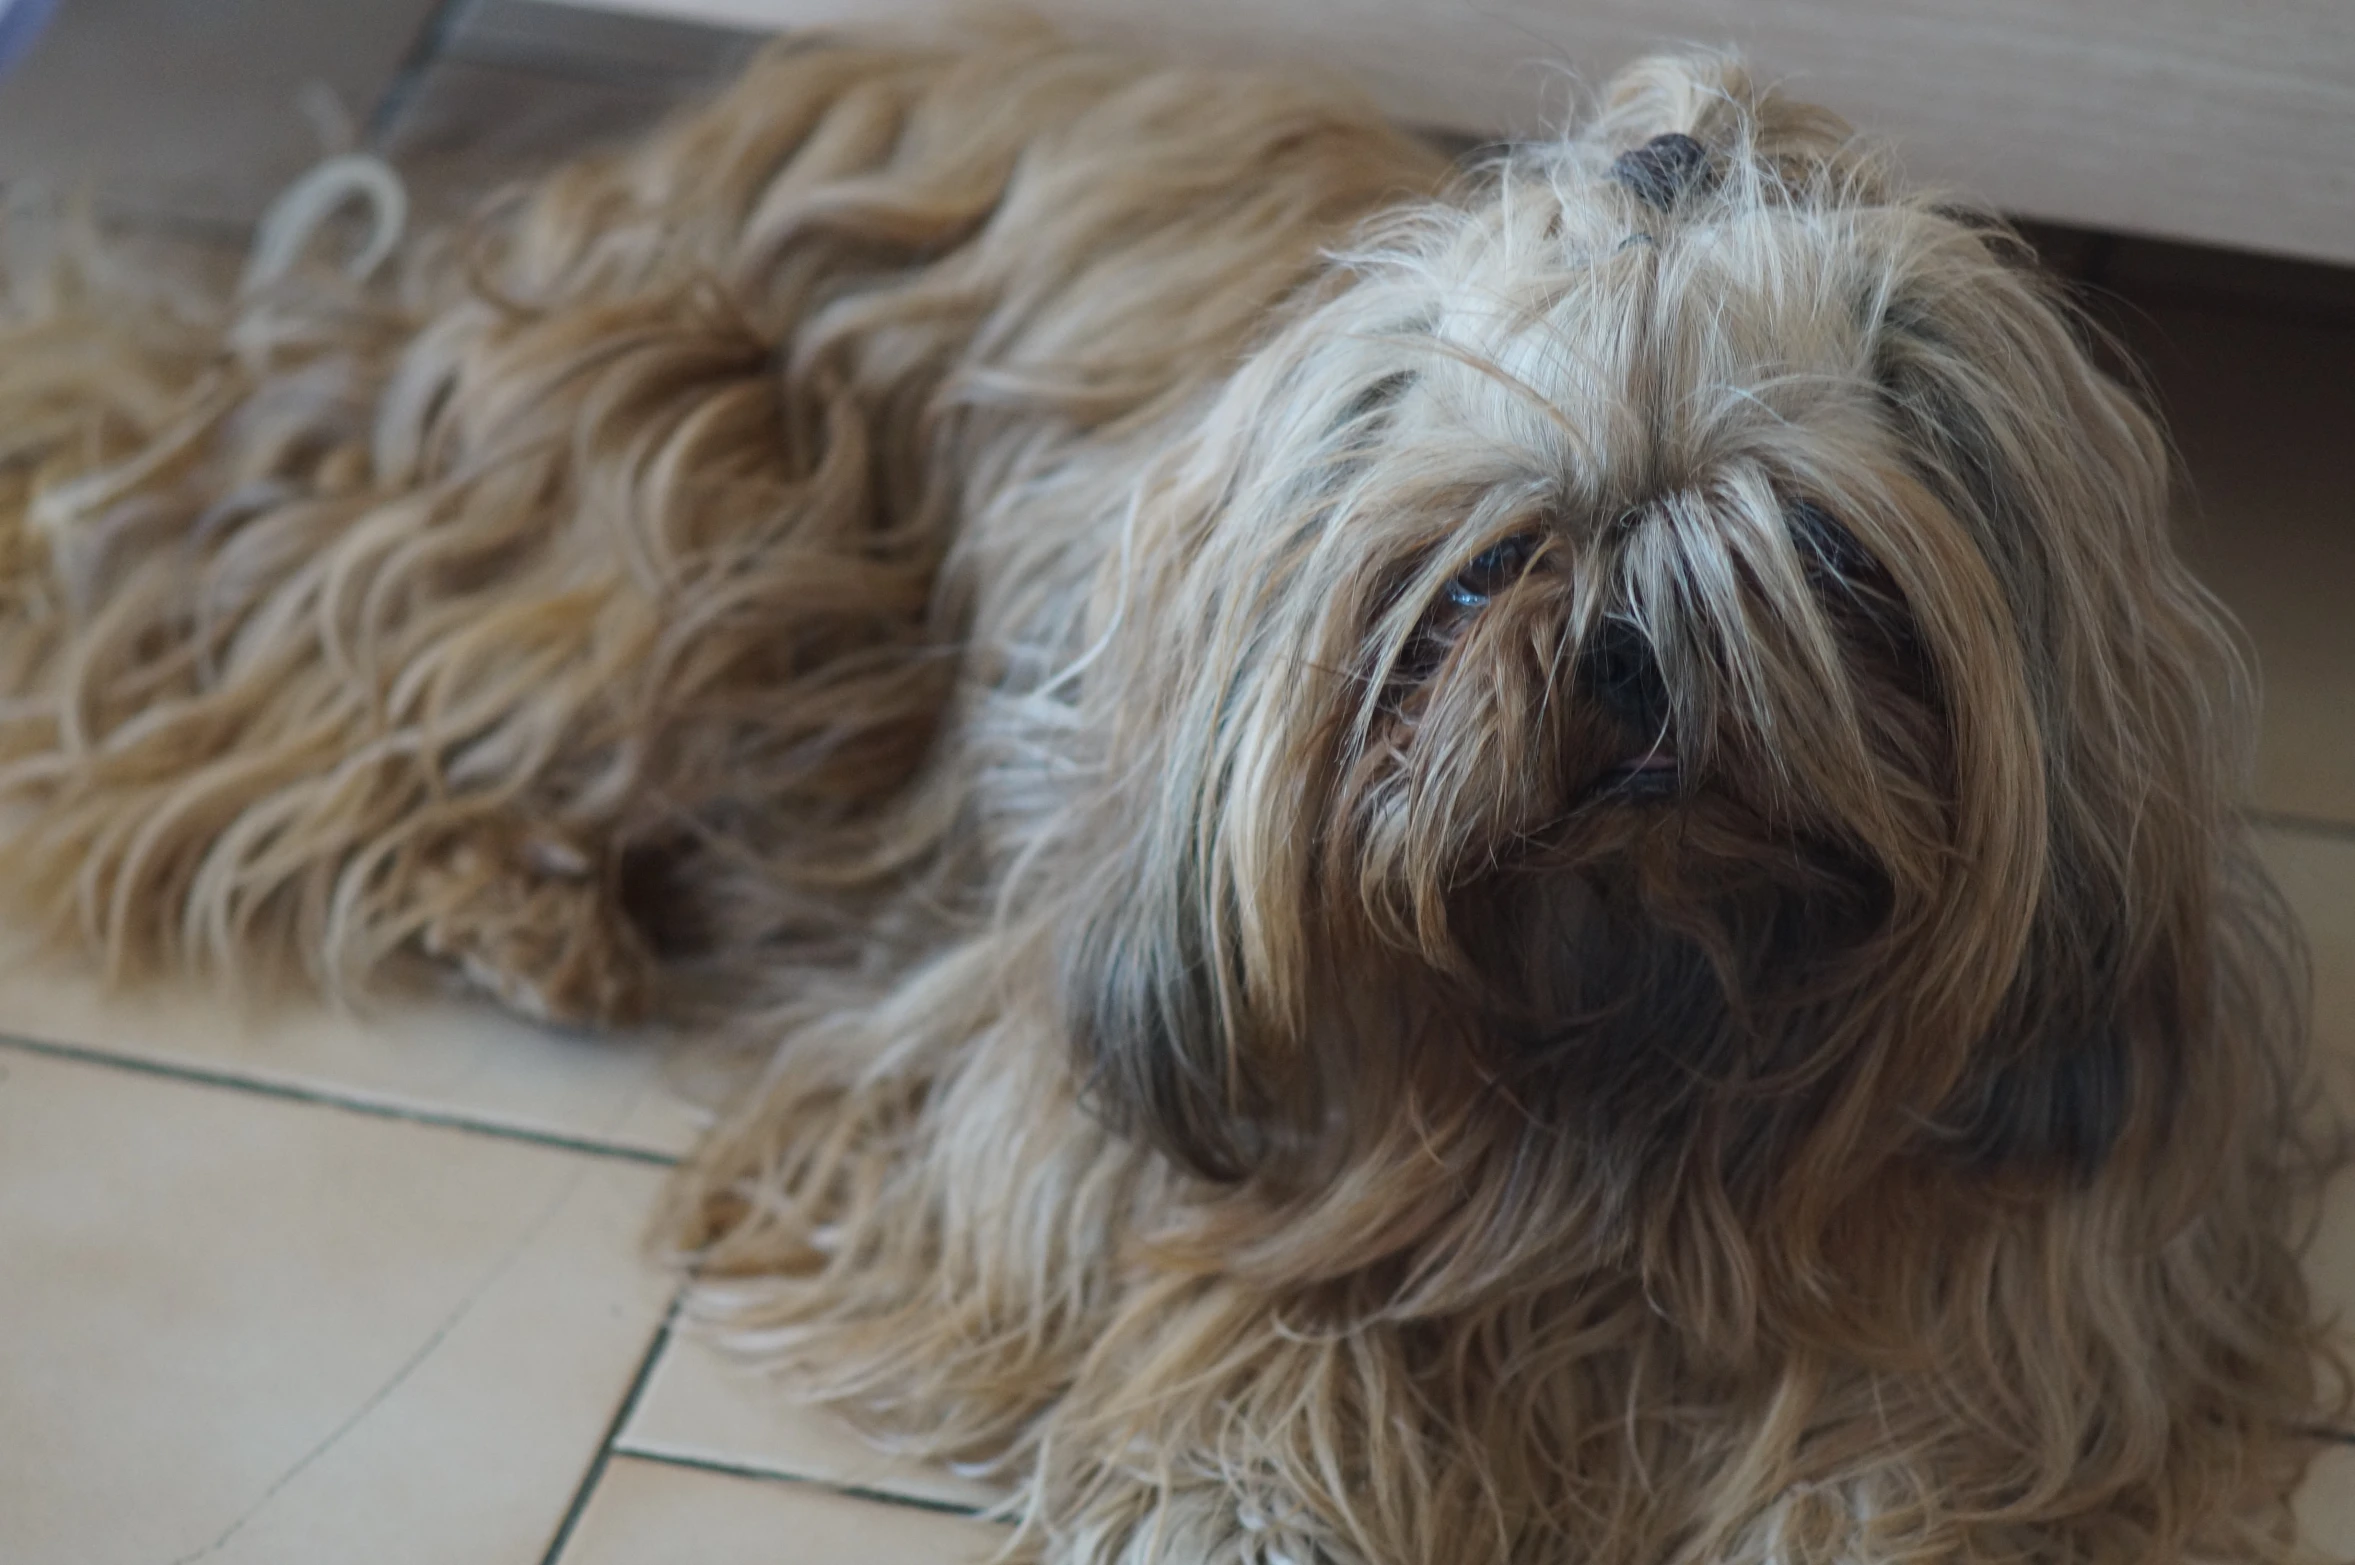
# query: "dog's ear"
{"type": "Point", "coordinates": [1176, 942]}
{"type": "Point", "coordinates": [2060, 476]}
{"type": "Point", "coordinates": [2060, 1109]}
{"type": "Point", "coordinates": [1196, 924]}
{"type": "Point", "coordinates": [1154, 1015]}
{"type": "Point", "coordinates": [2086, 1035]}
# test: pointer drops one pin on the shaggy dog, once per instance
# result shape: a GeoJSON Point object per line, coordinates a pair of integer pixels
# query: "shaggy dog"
{"type": "Point", "coordinates": [1534, 867]}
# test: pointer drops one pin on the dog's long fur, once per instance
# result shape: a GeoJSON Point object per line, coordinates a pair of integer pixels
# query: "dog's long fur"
{"type": "Point", "coordinates": [1531, 867]}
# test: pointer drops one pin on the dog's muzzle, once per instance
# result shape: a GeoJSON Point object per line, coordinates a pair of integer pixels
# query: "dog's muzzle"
{"type": "Point", "coordinates": [1620, 673]}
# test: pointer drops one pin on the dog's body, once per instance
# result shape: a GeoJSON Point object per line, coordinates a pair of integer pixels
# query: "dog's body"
{"type": "Point", "coordinates": [1562, 890]}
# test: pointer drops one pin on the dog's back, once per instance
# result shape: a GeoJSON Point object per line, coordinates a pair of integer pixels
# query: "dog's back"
{"type": "Point", "coordinates": [453, 616]}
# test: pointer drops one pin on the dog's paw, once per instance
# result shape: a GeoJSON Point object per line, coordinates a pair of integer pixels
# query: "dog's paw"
{"type": "Point", "coordinates": [533, 923]}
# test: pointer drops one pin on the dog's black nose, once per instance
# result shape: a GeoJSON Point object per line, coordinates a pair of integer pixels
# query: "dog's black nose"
{"type": "Point", "coordinates": [1622, 673]}
{"type": "Point", "coordinates": [1662, 169]}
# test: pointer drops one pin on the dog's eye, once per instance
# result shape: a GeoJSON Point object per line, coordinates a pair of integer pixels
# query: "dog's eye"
{"type": "Point", "coordinates": [1491, 571]}
{"type": "Point", "coordinates": [1826, 548]}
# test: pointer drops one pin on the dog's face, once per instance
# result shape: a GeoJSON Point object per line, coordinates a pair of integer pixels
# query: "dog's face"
{"type": "Point", "coordinates": [1667, 689]}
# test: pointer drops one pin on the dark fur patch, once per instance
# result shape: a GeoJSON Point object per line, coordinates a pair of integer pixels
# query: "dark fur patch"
{"type": "Point", "coordinates": [1661, 170]}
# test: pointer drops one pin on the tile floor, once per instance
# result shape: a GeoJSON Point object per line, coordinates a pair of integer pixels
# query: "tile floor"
{"type": "Point", "coordinates": [295, 1287]}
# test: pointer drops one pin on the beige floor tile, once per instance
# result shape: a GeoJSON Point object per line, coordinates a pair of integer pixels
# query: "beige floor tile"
{"type": "Point", "coordinates": [700, 1406]}
{"type": "Point", "coordinates": [449, 1058]}
{"type": "Point", "coordinates": [2326, 1507]}
{"type": "Point", "coordinates": [258, 1332]}
{"type": "Point", "coordinates": [2261, 407]}
{"type": "Point", "coordinates": [654, 1513]}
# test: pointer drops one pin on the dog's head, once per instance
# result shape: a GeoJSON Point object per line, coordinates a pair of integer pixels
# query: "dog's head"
{"type": "Point", "coordinates": [1665, 684]}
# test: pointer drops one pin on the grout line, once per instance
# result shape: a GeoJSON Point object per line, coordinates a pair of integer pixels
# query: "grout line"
{"type": "Point", "coordinates": [621, 1419]}
{"type": "Point", "coordinates": [727, 1469]}
{"type": "Point", "coordinates": [2303, 825]}
{"type": "Point", "coordinates": [204, 1076]}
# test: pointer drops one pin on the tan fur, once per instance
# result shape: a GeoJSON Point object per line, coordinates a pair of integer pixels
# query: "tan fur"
{"type": "Point", "coordinates": [1108, 614]}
